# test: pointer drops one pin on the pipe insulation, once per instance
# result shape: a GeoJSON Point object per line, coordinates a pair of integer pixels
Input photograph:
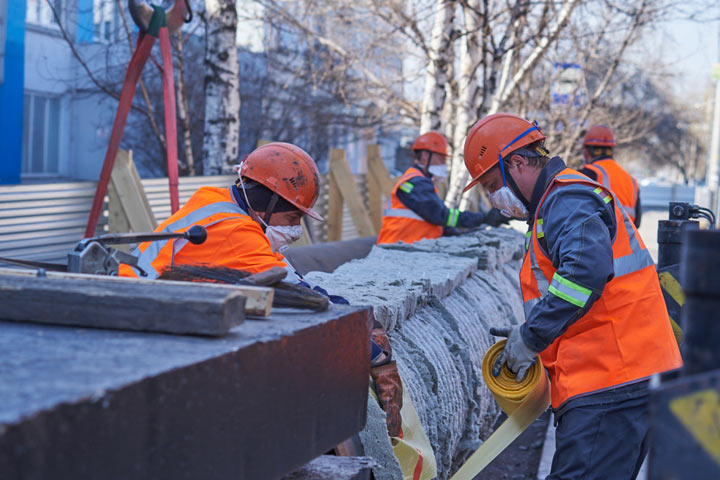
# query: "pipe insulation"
{"type": "Point", "coordinates": [437, 299]}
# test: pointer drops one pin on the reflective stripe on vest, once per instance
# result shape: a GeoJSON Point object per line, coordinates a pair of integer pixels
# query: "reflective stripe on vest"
{"type": "Point", "coordinates": [401, 223]}
{"type": "Point", "coordinates": [400, 212]}
{"type": "Point", "coordinates": [195, 217]}
{"type": "Point", "coordinates": [629, 209]}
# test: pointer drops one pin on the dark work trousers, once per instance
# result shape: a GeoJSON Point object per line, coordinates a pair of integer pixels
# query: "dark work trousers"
{"type": "Point", "coordinates": [601, 441]}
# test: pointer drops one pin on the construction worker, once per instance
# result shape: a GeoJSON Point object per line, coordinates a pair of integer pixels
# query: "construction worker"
{"type": "Point", "coordinates": [248, 225]}
{"type": "Point", "coordinates": [594, 312]}
{"type": "Point", "coordinates": [415, 211]}
{"type": "Point", "coordinates": [598, 146]}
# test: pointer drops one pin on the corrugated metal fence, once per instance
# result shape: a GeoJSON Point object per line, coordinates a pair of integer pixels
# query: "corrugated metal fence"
{"type": "Point", "coordinates": [43, 222]}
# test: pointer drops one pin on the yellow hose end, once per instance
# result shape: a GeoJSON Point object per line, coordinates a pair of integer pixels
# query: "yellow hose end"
{"type": "Point", "coordinates": [507, 391]}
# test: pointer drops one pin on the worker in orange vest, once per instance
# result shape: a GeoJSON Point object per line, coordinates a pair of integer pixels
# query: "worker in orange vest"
{"type": "Point", "coordinates": [598, 146]}
{"type": "Point", "coordinates": [594, 312]}
{"type": "Point", "coordinates": [414, 210]}
{"type": "Point", "coordinates": [248, 225]}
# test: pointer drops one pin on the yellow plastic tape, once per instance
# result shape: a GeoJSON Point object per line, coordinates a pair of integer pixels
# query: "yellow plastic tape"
{"type": "Point", "coordinates": [413, 449]}
{"type": "Point", "coordinates": [523, 402]}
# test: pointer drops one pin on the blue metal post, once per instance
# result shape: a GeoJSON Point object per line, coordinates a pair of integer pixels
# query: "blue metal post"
{"type": "Point", "coordinates": [11, 94]}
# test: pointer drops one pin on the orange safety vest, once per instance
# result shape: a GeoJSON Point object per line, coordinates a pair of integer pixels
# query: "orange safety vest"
{"type": "Point", "coordinates": [399, 223]}
{"type": "Point", "coordinates": [234, 240]}
{"type": "Point", "coordinates": [626, 335]}
{"type": "Point", "coordinates": [623, 185]}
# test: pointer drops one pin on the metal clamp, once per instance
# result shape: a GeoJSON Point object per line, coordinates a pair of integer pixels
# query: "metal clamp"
{"type": "Point", "coordinates": [176, 15]}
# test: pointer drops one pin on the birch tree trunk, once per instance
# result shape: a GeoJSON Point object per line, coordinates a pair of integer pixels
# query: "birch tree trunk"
{"type": "Point", "coordinates": [470, 54]}
{"type": "Point", "coordinates": [440, 60]}
{"type": "Point", "coordinates": [507, 85]}
{"type": "Point", "coordinates": [183, 108]}
{"type": "Point", "coordinates": [222, 95]}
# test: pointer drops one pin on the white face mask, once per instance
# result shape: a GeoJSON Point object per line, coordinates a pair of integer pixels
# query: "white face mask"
{"type": "Point", "coordinates": [438, 171]}
{"type": "Point", "coordinates": [281, 237]}
{"type": "Point", "coordinates": [508, 203]}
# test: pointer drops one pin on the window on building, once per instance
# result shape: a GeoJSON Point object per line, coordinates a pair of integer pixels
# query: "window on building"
{"type": "Point", "coordinates": [39, 12]}
{"type": "Point", "coordinates": [106, 21]}
{"type": "Point", "coordinates": [41, 134]}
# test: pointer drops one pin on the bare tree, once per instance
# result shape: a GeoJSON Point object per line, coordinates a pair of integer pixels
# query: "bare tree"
{"type": "Point", "coordinates": [440, 60]}
{"type": "Point", "coordinates": [222, 96]}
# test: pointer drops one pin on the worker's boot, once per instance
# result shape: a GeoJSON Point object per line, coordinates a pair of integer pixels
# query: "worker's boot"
{"type": "Point", "coordinates": [389, 390]}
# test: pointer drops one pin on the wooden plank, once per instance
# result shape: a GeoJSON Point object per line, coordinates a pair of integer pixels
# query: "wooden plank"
{"type": "Point", "coordinates": [305, 239]}
{"type": "Point", "coordinates": [117, 219]}
{"type": "Point", "coordinates": [258, 299]}
{"type": "Point", "coordinates": [375, 202]}
{"type": "Point", "coordinates": [334, 203]}
{"type": "Point", "coordinates": [129, 198]}
{"type": "Point", "coordinates": [99, 304]}
{"type": "Point", "coordinates": [378, 170]}
{"type": "Point", "coordinates": [345, 181]}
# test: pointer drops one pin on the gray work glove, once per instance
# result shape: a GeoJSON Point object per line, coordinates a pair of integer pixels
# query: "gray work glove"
{"type": "Point", "coordinates": [494, 218]}
{"type": "Point", "coordinates": [516, 354]}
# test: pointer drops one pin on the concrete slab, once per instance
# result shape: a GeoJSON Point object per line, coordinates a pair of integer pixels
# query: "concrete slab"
{"type": "Point", "coordinates": [88, 403]}
{"type": "Point", "coordinates": [329, 467]}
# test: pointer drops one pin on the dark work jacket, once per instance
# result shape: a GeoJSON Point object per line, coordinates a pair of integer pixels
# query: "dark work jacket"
{"type": "Point", "coordinates": [423, 200]}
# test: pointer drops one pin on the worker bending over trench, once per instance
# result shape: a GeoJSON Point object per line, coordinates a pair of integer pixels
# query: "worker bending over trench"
{"type": "Point", "coordinates": [248, 225]}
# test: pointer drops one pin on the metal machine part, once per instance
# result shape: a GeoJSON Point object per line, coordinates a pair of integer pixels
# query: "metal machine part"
{"type": "Point", "coordinates": [681, 217]}
{"type": "Point", "coordinates": [176, 15]}
{"type": "Point", "coordinates": [93, 256]}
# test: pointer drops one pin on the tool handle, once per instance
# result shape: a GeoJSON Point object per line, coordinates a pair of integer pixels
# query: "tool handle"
{"type": "Point", "coordinates": [196, 234]}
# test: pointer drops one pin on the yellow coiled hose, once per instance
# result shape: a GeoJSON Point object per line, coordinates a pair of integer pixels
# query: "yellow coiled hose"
{"type": "Point", "coordinates": [523, 402]}
{"type": "Point", "coordinates": [509, 393]}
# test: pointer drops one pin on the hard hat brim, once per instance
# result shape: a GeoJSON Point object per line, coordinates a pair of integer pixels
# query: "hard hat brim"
{"type": "Point", "coordinates": [312, 213]}
{"type": "Point", "coordinates": [472, 184]}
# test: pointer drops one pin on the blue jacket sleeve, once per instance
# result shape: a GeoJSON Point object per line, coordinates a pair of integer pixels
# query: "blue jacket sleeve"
{"type": "Point", "coordinates": [423, 200]}
{"type": "Point", "coordinates": [579, 230]}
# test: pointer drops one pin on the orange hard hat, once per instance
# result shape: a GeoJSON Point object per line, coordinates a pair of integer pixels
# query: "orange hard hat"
{"type": "Point", "coordinates": [433, 141]}
{"type": "Point", "coordinates": [493, 138]}
{"type": "Point", "coordinates": [286, 170]}
{"type": "Point", "coordinates": [599, 136]}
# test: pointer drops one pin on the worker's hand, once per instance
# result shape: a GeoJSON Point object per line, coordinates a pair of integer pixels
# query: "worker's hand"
{"type": "Point", "coordinates": [516, 354]}
{"type": "Point", "coordinates": [495, 218]}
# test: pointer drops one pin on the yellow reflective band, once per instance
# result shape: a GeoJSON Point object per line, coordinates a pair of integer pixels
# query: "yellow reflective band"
{"type": "Point", "coordinates": [671, 286]}
{"type": "Point", "coordinates": [453, 217]}
{"type": "Point", "coordinates": [569, 291]}
{"type": "Point", "coordinates": [540, 231]}
{"type": "Point", "coordinates": [699, 413]}
{"type": "Point", "coordinates": [607, 199]}
{"type": "Point", "coordinates": [598, 190]}
{"type": "Point", "coordinates": [677, 331]}
{"type": "Point", "coordinates": [406, 187]}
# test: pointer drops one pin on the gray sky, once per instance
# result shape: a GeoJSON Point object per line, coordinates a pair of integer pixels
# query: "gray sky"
{"type": "Point", "coordinates": [689, 48]}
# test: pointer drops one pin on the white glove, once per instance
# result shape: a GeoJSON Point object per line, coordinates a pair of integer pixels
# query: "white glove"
{"type": "Point", "coordinates": [516, 354]}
